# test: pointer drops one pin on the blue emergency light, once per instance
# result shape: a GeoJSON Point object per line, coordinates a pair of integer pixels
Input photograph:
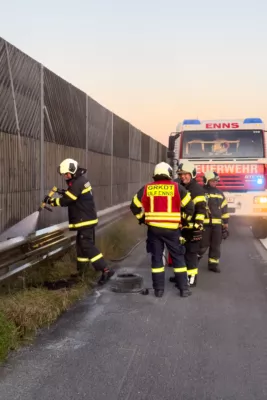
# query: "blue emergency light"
{"type": "Point", "coordinates": [253, 121]}
{"type": "Point", "coordinates": [260, 181]}
{"type": "Point", "coordinates": [191, 122]}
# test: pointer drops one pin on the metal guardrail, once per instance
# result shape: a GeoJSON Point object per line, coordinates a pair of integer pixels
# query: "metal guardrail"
{"type": "Point", "coordinates": [21, 253]}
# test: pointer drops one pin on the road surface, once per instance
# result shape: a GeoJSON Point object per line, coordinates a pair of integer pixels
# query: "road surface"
{"type": "Point", "coordinates": [210, 346]}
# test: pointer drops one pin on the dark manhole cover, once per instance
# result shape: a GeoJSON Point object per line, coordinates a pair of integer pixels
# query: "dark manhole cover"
{"type": "Point", "coordinates": [127, 283]}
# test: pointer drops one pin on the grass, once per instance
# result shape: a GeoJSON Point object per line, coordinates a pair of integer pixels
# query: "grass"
{"type": "Point", "coordinates": [26, 305]}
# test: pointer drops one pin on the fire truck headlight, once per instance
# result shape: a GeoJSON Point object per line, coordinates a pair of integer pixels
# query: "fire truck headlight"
{"type": "Point", "coordinates": [260, 200]}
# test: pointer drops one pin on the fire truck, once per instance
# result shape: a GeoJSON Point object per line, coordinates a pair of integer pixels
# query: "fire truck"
{"type": "Point", "coordinates": [237, 151]}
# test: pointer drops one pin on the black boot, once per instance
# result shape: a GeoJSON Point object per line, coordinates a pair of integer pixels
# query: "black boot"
{"type": "Point", "coordinates": [106, 275]}
{"type": "Point", "coordinates": [185, 293]}
{"type": "Point", "coordinates": [172, 279]}
{"type": "Point", "coordinates": [214, 268]}
{"type": "Point", "coordinates": [159, 292]}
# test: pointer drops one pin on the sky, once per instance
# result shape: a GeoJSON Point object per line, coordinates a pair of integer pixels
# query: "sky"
{"type": "Point", "coordinates": [153, 63]}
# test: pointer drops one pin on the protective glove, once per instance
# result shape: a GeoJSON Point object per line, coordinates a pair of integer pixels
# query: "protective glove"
{"type": "Point", "coordinates": [225, 233]}
{"type": "Point", "coordinates": [197, 232]}
{"type": "Point", "coordinates": [141, 220]}
{"type": "Point", "coordinates": [46, 199]}
{"type": "Point", "coordinates": [196, 235]}
{"type": "Point", "coordinates": [50, 201]}
{"type": "Point", "coordinates": [61, 191]}
{"type": "Point", "coordinates": [182, 240]}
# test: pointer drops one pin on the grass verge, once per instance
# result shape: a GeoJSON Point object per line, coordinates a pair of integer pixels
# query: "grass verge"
{"type": "Point", "coordinates": [26, 304]}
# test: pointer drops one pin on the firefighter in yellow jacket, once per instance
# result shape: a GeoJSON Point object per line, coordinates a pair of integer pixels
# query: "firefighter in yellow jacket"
{"type": "Point", "coordinates": [158, 204]}
{"type": "Point", "coordinates": [216, 222]}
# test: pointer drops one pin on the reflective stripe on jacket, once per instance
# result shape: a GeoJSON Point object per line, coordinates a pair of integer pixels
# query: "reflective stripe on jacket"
{"type": "Point", "coordinates": [217, 206]}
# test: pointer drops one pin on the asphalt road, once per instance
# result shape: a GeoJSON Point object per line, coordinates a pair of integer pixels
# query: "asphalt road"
{"type": "Point", "coordinates": [210, 346]}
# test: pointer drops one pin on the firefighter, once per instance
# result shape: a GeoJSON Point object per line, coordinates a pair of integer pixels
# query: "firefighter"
{"type": "Point", "coordinates": [193, 231]}
{"type": "Point", "coordinates": [82, 217]}
{"type": "Point", "coordinates": [216, 225]}
{"type": "Point", "coordinates": [158, 204]}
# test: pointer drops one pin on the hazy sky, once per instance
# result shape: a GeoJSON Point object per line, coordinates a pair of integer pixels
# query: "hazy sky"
{"type": "Point", "coordinates": [153, 63]}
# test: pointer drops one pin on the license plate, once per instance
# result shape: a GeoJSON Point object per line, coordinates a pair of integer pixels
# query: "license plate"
{"type": "Point", "coordinates": [230, 199]}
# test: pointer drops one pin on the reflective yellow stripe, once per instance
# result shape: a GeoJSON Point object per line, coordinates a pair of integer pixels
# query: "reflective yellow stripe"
{"type": "Point", "coordinates": [163, 214]}
{"type": "Point", "coordinates": [224, 203]}
{"type": "Point", "coordinates": [166, 225]}
{"type": "Point", "coordinates": [152, 204]}
{"type": "Point", "coordinates": [179, 270]}
{"type": "Point", "coordinates": [213, 221]}
{"type": "Point", "coordinates": [83, 259]}
{"type": "Point", "coordinates": [192, 272]}
{"type": "Point", "coordinates": [169, 204]}
{"type": "Point", "coordinates": [57, 201]}
{"type": "Point", "coordinates": [187, 217]}
{"type": "Point", "coordinates": [213, 261]}
{"type": "Point", "coordinates": [86, 223]}
{"type": "Point", "coordinates": [87, 190]}
{"type": "Point", "coordinates": [157, 218]}
{"type": "Point", "coordinates": [137, 202]}
{"type": "Point", "coordinates": [215, 196]}
{"type": "Point", "coordinates": [200, 217]}
{"type": "Point", "coordinates": [140, 215]}
{"type": "Point", "coordinates": [157, 270]}
{"type": "Point", "coordinates": [96, 258]}
{"type": "Point", "coordinates": [198, 199]}
{"type": "Point", "coordinates": [186, 199]}
{"type": "Point", "coordinates": [71, 195]}
{"type": "Point", "coordinates": [226, 215]}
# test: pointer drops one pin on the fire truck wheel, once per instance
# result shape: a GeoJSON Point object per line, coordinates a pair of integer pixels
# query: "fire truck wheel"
{"type": "Point", "coordinates": [259, 228]}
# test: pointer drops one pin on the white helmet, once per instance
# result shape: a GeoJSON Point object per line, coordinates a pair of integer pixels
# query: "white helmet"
{"type": "Point", "coordinates": [187, 168]}
{"type": "Point", "coordinates": [210, 175]}
{"type": "Point", "coordinates": [163, 169]}
{"type": "Point", "coordinates": [68, 166]}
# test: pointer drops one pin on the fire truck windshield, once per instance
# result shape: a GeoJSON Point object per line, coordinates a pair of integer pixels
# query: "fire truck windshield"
{"type": "Point", "coordinates": [223, 144]}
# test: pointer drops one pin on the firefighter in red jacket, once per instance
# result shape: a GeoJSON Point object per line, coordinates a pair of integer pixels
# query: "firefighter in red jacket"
{"type": "Point", "coordinates": [159, 204]}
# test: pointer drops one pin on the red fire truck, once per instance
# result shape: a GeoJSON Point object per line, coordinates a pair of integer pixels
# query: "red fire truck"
{"type": "Point", "coordinates": [237, 150]}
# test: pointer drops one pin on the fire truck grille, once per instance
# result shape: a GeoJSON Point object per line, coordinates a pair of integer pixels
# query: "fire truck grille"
{"type": "Point", "coordinates": [231, 180]}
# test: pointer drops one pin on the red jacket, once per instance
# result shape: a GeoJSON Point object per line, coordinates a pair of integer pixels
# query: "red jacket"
{"type": "Point", "coordinates": [162, 204]}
